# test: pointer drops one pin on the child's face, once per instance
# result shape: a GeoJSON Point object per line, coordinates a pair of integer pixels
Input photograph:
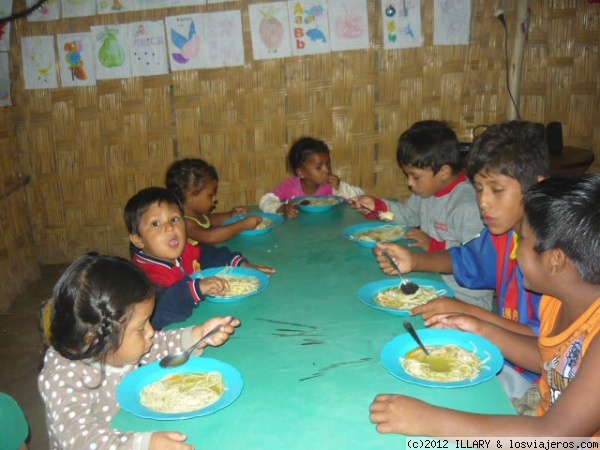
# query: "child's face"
{"type": "Point", "coordinates": [137, 336]}
{"type": "Point", "coordinates": [162, 232]}
{"type": "Point", "coordinates": [530, 262]}
{"type": "Point", "coordinates": [423, 182]}
{"type": "Point", "coordinates": [203, 202]}
{"type": "Point", "coordinates": [315, 170]}
{"type": "Point", "coordinates": [499, 198]}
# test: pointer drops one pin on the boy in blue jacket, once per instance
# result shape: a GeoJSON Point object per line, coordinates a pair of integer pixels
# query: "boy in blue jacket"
{"type": "Point", "coordinates": [503, 163]}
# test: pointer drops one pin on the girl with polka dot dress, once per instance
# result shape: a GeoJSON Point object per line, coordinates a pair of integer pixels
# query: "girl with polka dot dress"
{"type": "Point", "coordinates": [97, 329]}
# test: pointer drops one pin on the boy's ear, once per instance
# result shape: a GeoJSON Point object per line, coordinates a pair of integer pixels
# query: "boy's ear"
{"type": "Point", "coordinates": [556, 261]}
{"type": "Point", "coordinates": [136, 240]}
{"type": "Point", "coordinates": [445, 171]}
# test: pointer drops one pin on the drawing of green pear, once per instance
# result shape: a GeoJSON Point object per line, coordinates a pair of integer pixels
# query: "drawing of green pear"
{"type": "Point", "coordinates": [111, 54]}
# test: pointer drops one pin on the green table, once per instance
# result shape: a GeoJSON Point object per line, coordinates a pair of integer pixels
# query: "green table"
{"type": "Point", "coordinates": [308, 349]}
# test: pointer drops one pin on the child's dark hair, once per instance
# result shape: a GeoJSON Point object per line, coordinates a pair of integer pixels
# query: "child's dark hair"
{"type": "Point", "coordinates": [91, 304]}
{"type": "Point", "coordinates": [517, 149]}
{"type": "Point", "coordinates": [140, 202]}
{"type": "Point", "coordinates": [302, 149]}
{"type": "Point", "coordinates": [189, 175]}
{"type": "Point", "coordinates": [564, 212]}
{"type": "Point", "coordinates": [429, 144]}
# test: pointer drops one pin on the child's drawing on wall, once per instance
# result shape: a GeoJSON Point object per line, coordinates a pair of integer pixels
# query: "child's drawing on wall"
{"type": "Point", "coordinates": [39, 67]}
{"type": "Point", "coordinates": [111, 50]}
{"type": "Point", "coordinates": [222, 32]}
{"type": "Point", "coordinates": [5, 10]}
{"type": "Point", "coordinates": [49, 10]}
{"type": "Point", "coordinates": [270, 30]}
{"type": "Point", "coordinates": [184, 42]}
{"type": "Point", "coordinates": [148, 49]}
{"type": "Point", "coordinates": [5, 99]}
{"type": "Point", "coordinates": [309, 23]}
{"type": "Point", "coordinates": [452, 21]}
{"type": "Point", "coordinates": [78, 8]}
{"type": "Point", "coordinates": [349, 24]}
{"type": "Point", "coordinates": [401, 21]}
{"type": "Point", "coordinates": [76, 59]}
{"type": "Point", "coordinates": [115, 6]}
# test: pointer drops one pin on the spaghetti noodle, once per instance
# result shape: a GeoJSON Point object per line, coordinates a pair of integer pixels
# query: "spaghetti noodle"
{"type": "Point", "coordinates": [445, 363]}
{"type": "Point", "coordinates": [266, 223]}
{"type": "Point", "coordinates": [394, 298]}
{"type": "Point", "coordinates": [381, 234]}
{"type": "Point", "coordinates": [321, 201]}
{"type": "Point", "coordinates": [183, 392]}
{"type": "Point", "coordinates": [238, 285]}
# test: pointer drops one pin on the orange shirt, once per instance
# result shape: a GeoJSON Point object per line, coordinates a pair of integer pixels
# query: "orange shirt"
{"type": "Point", "coordinates": [562, 353]}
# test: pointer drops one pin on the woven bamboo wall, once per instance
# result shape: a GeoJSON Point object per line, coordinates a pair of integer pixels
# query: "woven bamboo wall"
{"type": "Point", "coordinates": [89, 149]}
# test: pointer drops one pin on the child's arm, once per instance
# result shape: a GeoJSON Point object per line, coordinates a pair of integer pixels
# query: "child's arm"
{"type": "Point", "coordinates": [218, 218]}
{"type": "Point", "coordinates": [227, 328]}
{"type": "Point", "coordinates": [176, 302]}
{"type": "Point", "coordinates": [220, 233]}
{"type": "Point", "coordinates": [408, 261]}
{"type": "Point", "coordinates": [445, 305]}
{"type": "Point", "coordinates": [575, 413]}
{"type": "Point", "coordinates": [270, 203]}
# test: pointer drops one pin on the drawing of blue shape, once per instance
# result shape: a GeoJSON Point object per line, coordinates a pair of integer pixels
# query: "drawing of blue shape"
{"type": "Point", "coordinates": [316, 35]}
{"type": "Point", "coordinates": [180, 41]}
{"type": "Point", "coordinates": [408, 30]}
{"type": "Point", "coordinates": [313, 13]}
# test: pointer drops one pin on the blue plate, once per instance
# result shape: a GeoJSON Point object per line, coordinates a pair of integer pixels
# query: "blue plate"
{"type": "Point", "coordinates": [238, 271]}
{"type": "Point", "coordinates": [314, 209]}
{"type": "Point", "coordinates": [276, 220]}
{"type": "Point", "coordinates": [368, 292]}
{"type": "Point", "coordinates": [350, 231]}
{"type": "Point", "coordinates": [402, 344]}
{"type": "Point", "coordinates": [129, 391]}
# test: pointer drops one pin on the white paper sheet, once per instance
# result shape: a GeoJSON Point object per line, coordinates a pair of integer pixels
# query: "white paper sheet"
{"type": "Point", "coordinates": [452, 22]}
{"type": "Point", "coordinates": [401, 24]}
{"type": "Point", "coordinates": [39, 66]}
{"type": "Point", "coordinates": [76, 59]}
{"type": "Point", "coordinates": [309, 23]}
{"type": "Point", "coordinates": [111, 51]}
{"type": "Point", "coordinates": [148, 49]}
{"type": "Point", "coordinates": [349, 25]}
{"type": "Point", "coordinates": [78, 8]}
{"type": "Point", "coordinates": [270, 30]}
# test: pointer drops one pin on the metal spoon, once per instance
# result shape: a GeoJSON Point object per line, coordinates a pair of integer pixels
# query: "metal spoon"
{"type": "Point", "coordinates": [408, 287]}
{"type": "Point", "coordinates": [408, 327]}
{"type": "Point", "coordinates": [177, 359]}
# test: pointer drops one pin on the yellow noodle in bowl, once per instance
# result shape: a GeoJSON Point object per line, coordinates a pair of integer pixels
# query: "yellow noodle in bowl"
{"type": "Point", "coordinates": [445, 363]}
{"type": "Point", "coordinates": [238, 285]}
{"type": "Point", "coordinates": [385, 233]}
{"type": "Point", "coordinates": [183, 392]}
{"type": "Point", "coordinates": [394, 298]}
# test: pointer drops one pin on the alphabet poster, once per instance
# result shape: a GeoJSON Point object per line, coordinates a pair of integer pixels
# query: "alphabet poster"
{"type": "Point", "coordinates": [5, 10]}
{"type": "Point", "coordinates": [309, 22]}
{"type": "Point", "coordinates": [5, 99]}
{"type": "Point", "coordinates": [401, 24]}
{"type": "Point", "coordinates": [111, 51]}
{"type": "Point", "coordinates": [148, 49]}
{"type": "Point", "coordinates": [349, 24]}
{"type": "Point", "coordinates": [451, 22]}
{"type": "Point", "coordinates": [76, 59]}
{"type": "Point", "coordinates": [39, 66]}
{"type": "Point", "coordinates": [270, 30]}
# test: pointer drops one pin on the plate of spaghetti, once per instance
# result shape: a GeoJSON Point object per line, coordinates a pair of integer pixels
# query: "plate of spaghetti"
{"type": "Point", "coordinates": [243, 282]}
{"type": "Point", "coordinates": [456, 358]}
{"type": "Point", "coordinates": [369, 234]}
{"type": "Point", "coordinates": [317, 203]}
{"type": "Point", "coordinates": [385, 295]}
{"type": "Point", "coordinates": [269, 222]}
{"type": "Point", "coordinates": [199, 387]}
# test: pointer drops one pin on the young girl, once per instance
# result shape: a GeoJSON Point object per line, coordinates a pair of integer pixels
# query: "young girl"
{"type": "Point", "coordinates": [309, 160]}
{"type": "Point", "coordinates": [99, 332]}
{"type": "Point", "coordinates": [195, 182]}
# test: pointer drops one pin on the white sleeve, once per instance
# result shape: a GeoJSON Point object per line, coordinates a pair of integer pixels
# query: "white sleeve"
{"type": "Point", "coordinates": [348, 191]}
{"type": "Point", "coordinates": [269, 203]}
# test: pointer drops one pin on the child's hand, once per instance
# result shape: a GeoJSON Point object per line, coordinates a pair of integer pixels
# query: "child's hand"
{"type": "Point", "coordinates": [403, 258]}
{"type": "Point", "coordinates": [251, 222]}
{"type": "Point", "coordinates": [334, 181]}
{"type": "Point", "coordinates": [169, 440]}
{"type": "Point", "coordinates": [460, 322]}
{"type": "Point", "coordinates": [440, 305]}
{"type": "Point", "coordinates": [264, 269]}
{"type": "Point", "coordinates": [393, 413]}
{"type": "Point", "coordinates": [290, 209]}
{"type": "Point", "coordinates": [422, 239]}
{"type": "Point", "coordinates": [228, 325]}
{"type": "Point", "coordinates": [238, 211]}
{"type": "Point", "coordinates": [214, 286]}
{"type": "Point", "coordinates": [363, 204]}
